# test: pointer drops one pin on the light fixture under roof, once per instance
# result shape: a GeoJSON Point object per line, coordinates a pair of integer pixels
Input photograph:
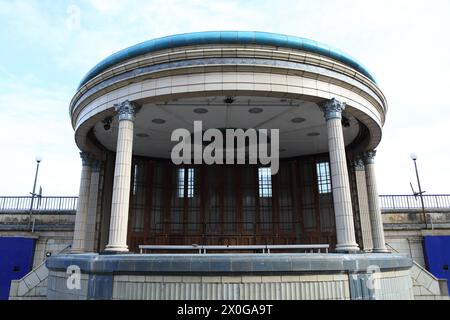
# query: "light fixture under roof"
{"type": "Point", "coordinates": [201, 110]}
{"type": "Point", "coordinates": [228, 100]}
{"type": "Point", "coordinates": [158, 121]}
{"type": "Point", "coordinates": [255, 110]}
{"type": "Point", "coordinates": [283, 150]}
{"type": "Point", "coordinates": [298, 120]}
{"type": "Point", "coordinates": [313, 134]}
{"type": "Point", "coordinates": [142, 135]}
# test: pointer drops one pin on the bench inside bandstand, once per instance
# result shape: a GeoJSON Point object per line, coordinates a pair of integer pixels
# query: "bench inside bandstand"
{"type": "Point", "coordinates": [266, 249]}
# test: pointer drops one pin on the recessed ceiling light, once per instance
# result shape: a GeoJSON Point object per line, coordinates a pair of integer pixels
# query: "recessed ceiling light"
{"type": "Point", "coordinates": [298, 120]}
{"type": "Point", "coordinates": [142, 135]}
{"type": "Point", "coordinates": [255, 110]}
{"type": "Point", "coordinates": [158, 121]}
{"type": "Point", "coordinates": [201, 110]}
{"type": "Point", "coordinates": [313, 134]}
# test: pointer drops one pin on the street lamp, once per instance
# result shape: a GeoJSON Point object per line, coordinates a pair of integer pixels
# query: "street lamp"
{"type": "Point", "coordinates": [420, 193]}
{"type": "Point", "coordinates": [33, 194]}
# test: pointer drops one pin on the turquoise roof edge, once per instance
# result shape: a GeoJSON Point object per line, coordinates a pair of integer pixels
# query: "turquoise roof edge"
{"type": "Point", "coordinates": [226, 37]}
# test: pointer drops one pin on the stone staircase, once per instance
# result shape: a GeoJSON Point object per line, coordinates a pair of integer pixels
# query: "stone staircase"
{"type": "Point", "coordinates": [425, 285]}
{"type": "Point", "coordinates": [33, 286]}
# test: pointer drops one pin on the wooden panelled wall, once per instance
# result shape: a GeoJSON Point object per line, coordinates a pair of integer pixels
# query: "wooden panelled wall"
{"type": "Point", "coordinates": [224, 204]}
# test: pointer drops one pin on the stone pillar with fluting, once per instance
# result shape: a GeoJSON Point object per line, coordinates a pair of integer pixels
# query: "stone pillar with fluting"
{"type": "Point", "coordinates": [122, 178]}
{"type": "Point", "coordinates": [363, 204]}
{"type": "Point", "coordinates": [92, 206]}
{"type": "Point", "coordinates": [376, 221]}
{"type": "Point", "coordinates": [345, 229]}
{"type": "Point", "coordinates": [78, 245]}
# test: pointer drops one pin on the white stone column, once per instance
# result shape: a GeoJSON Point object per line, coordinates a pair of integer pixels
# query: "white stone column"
{"type": "Point", "coordinates": [82, 207]}
{"type": "Point", "coordinates": [92, 207]}
{"type": "Point", "coordinates": [363, 204]}
{"type": "Point", "coordinates": [376, 221]}
{"type": "Point", "coordinates": [122, 179]}
{"type": "Point", "coordinates": [345, 229]}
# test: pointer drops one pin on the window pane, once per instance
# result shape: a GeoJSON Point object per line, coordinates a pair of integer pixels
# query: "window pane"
{"type": "Point", "coordinates": [189, 176]}
{"type": "Point", "coordinates": [180, 183]}
{"type": "Point", "coordinates": [265, 182]}
{"type": "Point", "coordinates": [190, 183]}
{"type": "Point", "coordinates": [323, 177]}
{"type": "Point", "coordinates": [265, 203]}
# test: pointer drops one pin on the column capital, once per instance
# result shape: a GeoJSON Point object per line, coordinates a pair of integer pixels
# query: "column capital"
{"type": "Point", "coordinates": [95, 165]}
{"type": "Point", "coordinates": [359, 164]}
{"type": "Point", "coordinates": [332, 109]}
{"type": "Point", "coordinates": [369, 156]}
{"type": "Point", "coordinates": [126, 110]}
{"type": "Point", "coordinates": [86, 158]}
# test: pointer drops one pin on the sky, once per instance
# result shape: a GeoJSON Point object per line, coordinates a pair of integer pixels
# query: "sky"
{"type": "Point", "coordinates": [47, 46]}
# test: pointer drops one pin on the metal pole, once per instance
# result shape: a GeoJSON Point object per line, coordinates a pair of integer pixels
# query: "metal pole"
{"type": "Point", "coordinates": [33, 194]}
{"type": "Point", "coordinates": [421, 195]}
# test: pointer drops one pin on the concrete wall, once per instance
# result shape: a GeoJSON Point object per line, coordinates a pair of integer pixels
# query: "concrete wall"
{"type": "Point", "coordinates": [407, 242]}
{"type": "Point", "coordinates": [404, 231]}
{"type": "Point", "coordinates": [53, 231]}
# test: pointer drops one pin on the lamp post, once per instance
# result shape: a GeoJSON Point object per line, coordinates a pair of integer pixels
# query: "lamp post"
{"type": "Point", "coordinates": [33, 194]}
{"type": "Point", "coordinates": [420, 193]}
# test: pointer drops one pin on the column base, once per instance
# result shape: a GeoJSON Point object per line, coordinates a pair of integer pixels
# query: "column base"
{"type": "Point", "coordinates": [77, 247]}
{"type": "Point", "coordinates": [382, 250]}
{"type": "Point", "coordinates": [116, 248]}
{"type": "Point", "coordinates": [347, 248]}
{"type": "Point", "coordinates": [111, 253]}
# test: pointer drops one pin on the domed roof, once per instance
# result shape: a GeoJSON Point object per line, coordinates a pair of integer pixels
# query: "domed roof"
{"type": "Point", "coordinates": [226, 37]}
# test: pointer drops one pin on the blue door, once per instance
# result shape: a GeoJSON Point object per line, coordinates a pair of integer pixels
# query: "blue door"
{"type": "Point", "coordinates": [16, 260]}
{"type": "Point", "coordinates": [437, 256]}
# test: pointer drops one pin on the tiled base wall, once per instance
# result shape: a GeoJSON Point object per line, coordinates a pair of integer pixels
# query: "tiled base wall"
{"type": "Point", "coordinates": [392, 285]}
{"type": "Point", "coordinates": [326, 287]}
{"type": "Point", "coordinates": [57, 288]}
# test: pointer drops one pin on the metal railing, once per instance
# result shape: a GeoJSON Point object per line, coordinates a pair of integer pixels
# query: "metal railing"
{"type": "Point", "coordinates": [60, 204]}
{"type": "Point", "coordinates": [400, 202]}
{"type": "Point", "coordinates": [23, 203]}
{"type": "Point", "coordinates": [202, 249]}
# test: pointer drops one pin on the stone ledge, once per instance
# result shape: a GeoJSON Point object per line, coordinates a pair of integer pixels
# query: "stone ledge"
{"type": "Point", "coordinates": [227, 264]}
